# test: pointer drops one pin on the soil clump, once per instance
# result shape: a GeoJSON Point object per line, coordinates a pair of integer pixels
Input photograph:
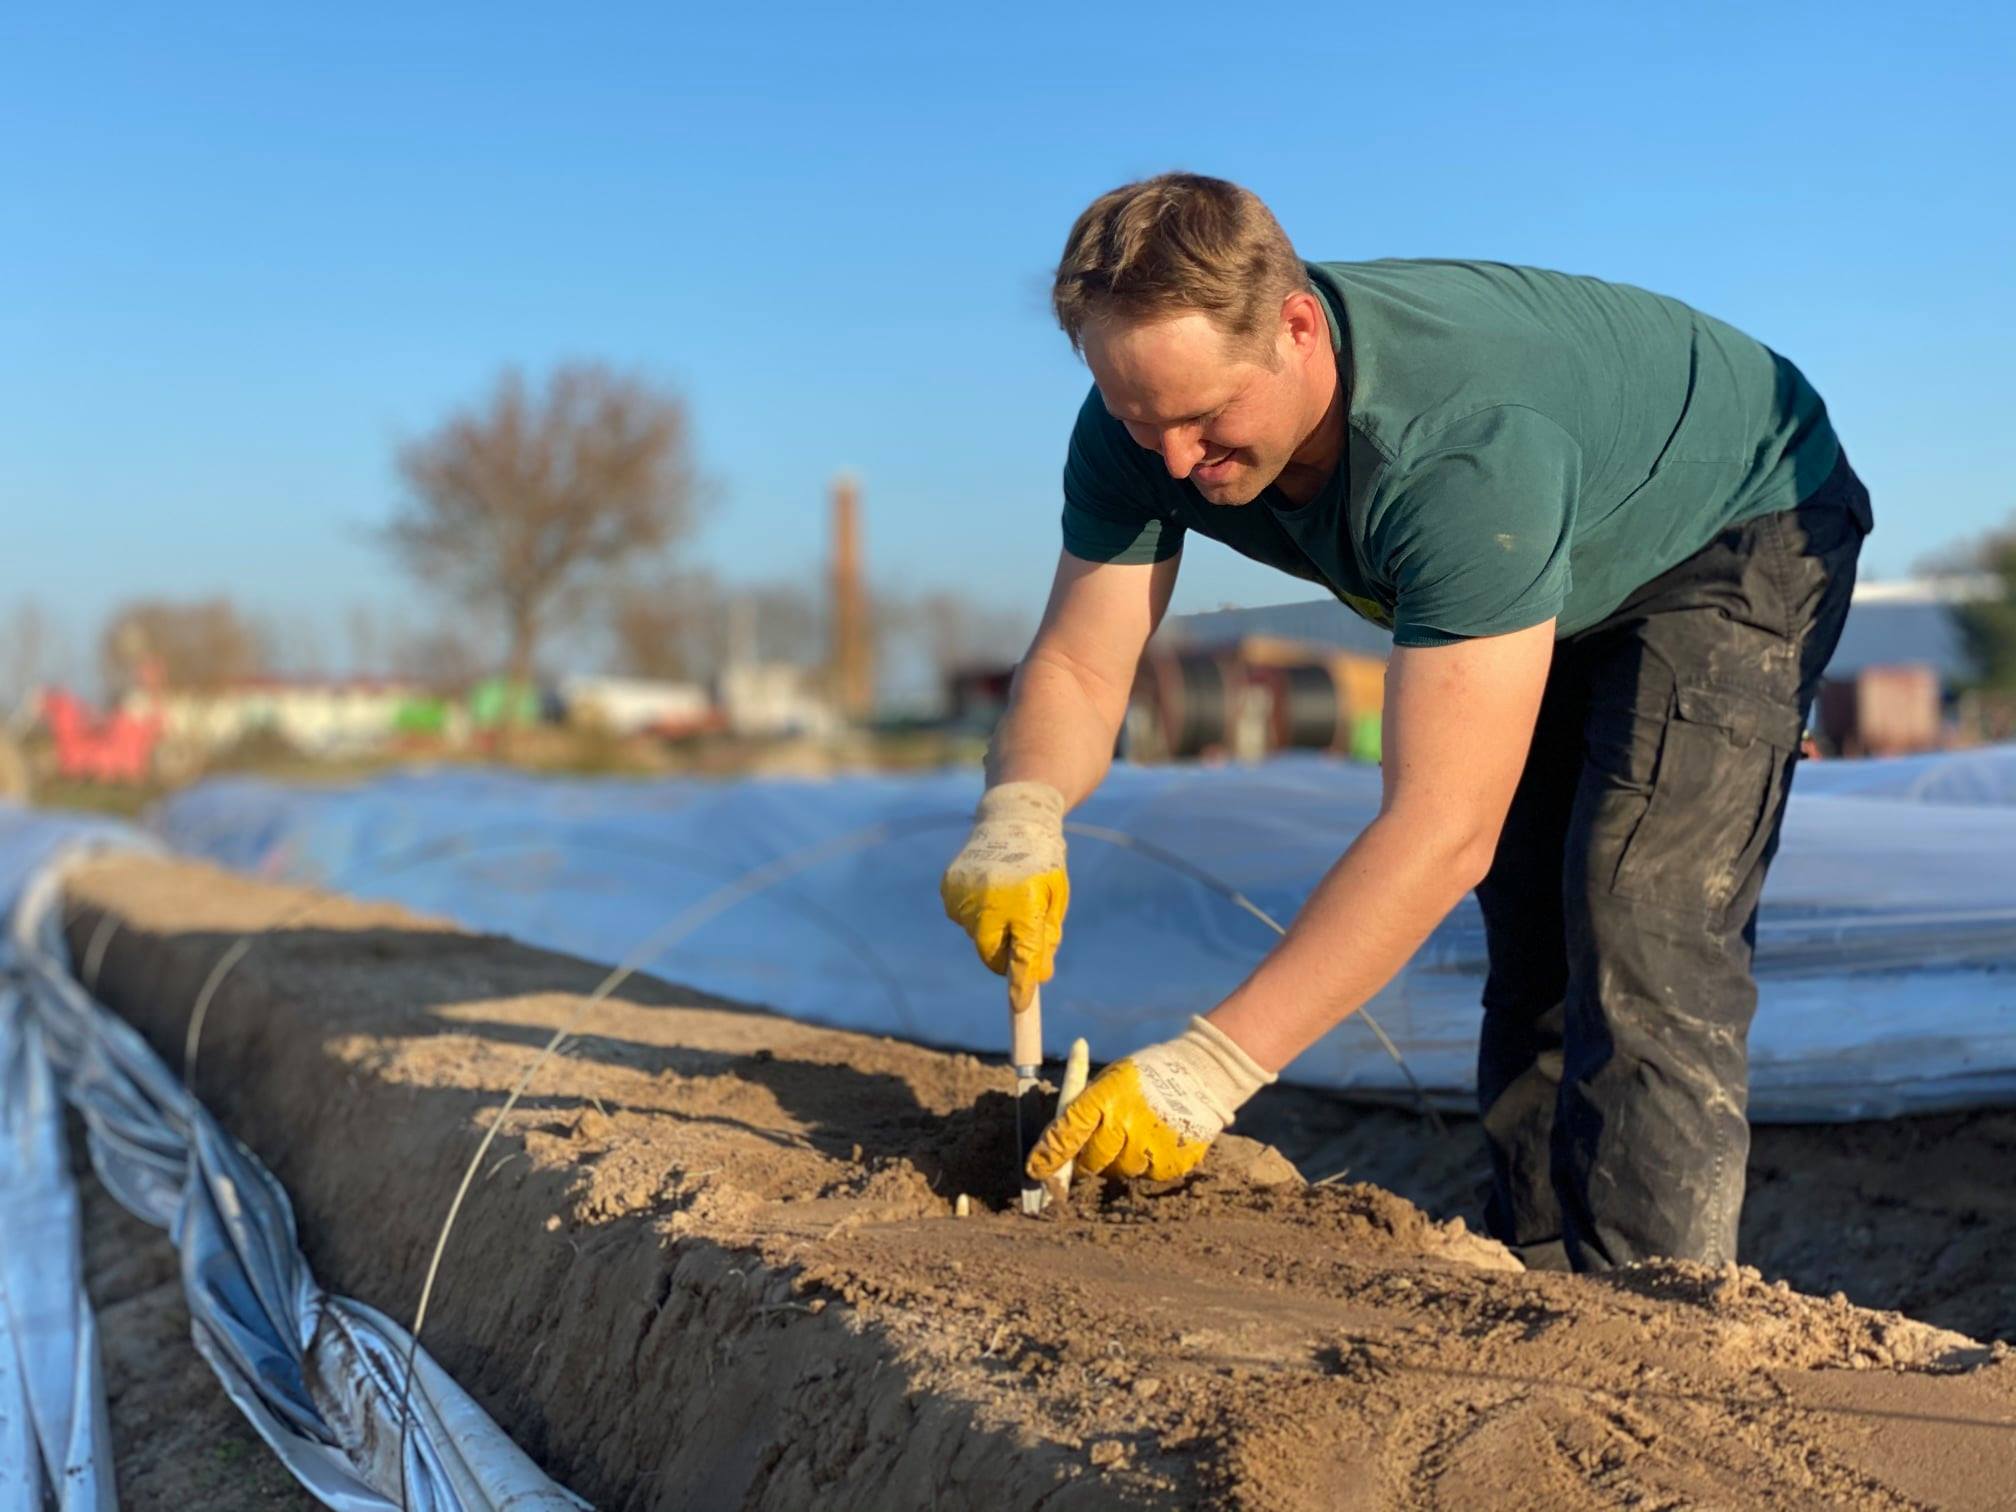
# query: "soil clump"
{"type": "Point", "coordinates": [710, 1261]}
{"type": "Point", "coordinates": [1913, 1215]}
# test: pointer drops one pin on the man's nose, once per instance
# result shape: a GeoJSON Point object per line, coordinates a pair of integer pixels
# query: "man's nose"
{"type": "Point", "coordinates": [1180, 452]}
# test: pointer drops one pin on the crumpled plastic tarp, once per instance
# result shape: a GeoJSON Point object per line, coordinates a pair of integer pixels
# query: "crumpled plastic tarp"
{"type": "Point", "coordinates": [1887, 941]}
{"type": "Point", "coordinates": [52, 1394]}
{"type": "Point", "coordinates": [319, 1376]}
{"type": "Point", "coordinates": [1985, 775]}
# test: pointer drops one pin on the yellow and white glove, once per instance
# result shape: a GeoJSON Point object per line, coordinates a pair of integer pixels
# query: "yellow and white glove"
{"type": "Point", "coordinates": [1007, 888]}
{"type": "Point", "coordinates": [1155, 1113]}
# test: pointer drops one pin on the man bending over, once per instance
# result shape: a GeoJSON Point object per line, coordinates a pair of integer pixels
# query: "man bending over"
{"type": "Point", "coordinates": [1614, 541]}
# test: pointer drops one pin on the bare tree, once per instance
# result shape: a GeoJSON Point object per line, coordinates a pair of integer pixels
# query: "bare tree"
{"type": "Point", "coordinates": [670, 626]}
{"type": "Point", "coordinates": [366, 639]}
{"type": "Point", "coordinates": [1987, 625]}
{"type": "Point", "coordinates": [521, 504]}
{"type": "Point", "coordinates": [953, 631]}
{"type": "Point", "coordinates": [294, 645]}
{"type": "Point", "coordinates": [443, 657]}
{"type": "Point", "coordinates": [786, 622]}
{"type": "Point", "coordinates": [24, 663]}
{"type": "Point", "coordinates": [24, 653]}
{"type": "Point", "coordinates": [193, 645]}
{"type": "Point", "coordinates": [689, 625]}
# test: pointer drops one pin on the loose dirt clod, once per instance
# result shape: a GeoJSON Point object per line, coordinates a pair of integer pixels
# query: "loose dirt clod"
{"type": "Point", "coordinates": [703, 1267]}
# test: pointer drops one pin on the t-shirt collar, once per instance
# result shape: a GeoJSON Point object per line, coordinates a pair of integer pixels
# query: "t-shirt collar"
{"type": "Point", "coordinates": [1334, 486]}
{"type": "Point", "coordinates": [1327, 297]}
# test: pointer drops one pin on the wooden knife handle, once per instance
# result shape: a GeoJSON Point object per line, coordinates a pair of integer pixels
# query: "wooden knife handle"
{"type": "Point", "coordinates": [1026, 1033]}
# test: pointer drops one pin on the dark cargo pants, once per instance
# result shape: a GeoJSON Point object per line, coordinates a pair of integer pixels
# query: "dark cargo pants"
{"type": "Point", "coordinates": [1620, 910]}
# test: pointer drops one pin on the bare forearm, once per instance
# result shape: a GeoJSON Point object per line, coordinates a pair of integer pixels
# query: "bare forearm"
{"type": "Point", "coordinates": [1059, 728]}
{"type": "Point", "coordinates": [1369, 914]}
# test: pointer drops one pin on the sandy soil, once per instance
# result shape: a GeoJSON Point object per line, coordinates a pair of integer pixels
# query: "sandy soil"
{"type": "Point", "coordinates": [1912, 1214]}
{"type": "Point", "coordinates": [712, 1262]}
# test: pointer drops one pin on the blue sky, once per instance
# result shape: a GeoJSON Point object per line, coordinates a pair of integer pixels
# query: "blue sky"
{"type": "Point", "coordinates": [245, 250]}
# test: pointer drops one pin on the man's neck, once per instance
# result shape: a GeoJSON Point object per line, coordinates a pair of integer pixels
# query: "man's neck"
{"type": "Point", "coordinates": [1323, 449]}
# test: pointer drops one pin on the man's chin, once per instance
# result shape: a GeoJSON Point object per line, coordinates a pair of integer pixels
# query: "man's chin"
{"type": "Point", "coordinates": [1232, 492]}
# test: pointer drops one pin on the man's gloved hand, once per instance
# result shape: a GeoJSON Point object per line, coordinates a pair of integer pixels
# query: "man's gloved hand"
{"type": "Point", "coordinates": [1007, 888]}
{"type": "Point", "coordinates": [1155, 1113]}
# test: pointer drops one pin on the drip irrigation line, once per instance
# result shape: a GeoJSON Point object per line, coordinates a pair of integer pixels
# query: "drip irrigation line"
{"type": "Point", "coordinates": [461, 847]}
{"type": "Point", "coordinates": [94, 953]}
{"type": "Point", "coordinates": [690, 919]}
{"type": "Point", "coordinates": [498, 841]}
{"type": "Point", "coordinates": [655, 944]}
{"type": "Point", "coordinates": [67, 915]}
{"type": "Point", "coordinates": [682, 924]}
{"type": "Point", "coordinates": [853, 939]}
{"type": "Point", "coordinates": [1227, 891]}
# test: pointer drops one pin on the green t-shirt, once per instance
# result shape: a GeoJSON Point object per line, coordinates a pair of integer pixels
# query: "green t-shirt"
{"type": "Point", "coordinates": [1520, 445]}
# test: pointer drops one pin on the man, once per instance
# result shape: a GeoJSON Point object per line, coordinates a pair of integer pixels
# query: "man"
{"type": "Point", "coordinates": [1614, 540]}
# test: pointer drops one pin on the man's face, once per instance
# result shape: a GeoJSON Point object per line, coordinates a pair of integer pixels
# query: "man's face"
{"type": "Point", "coordinates": [1217, 411]}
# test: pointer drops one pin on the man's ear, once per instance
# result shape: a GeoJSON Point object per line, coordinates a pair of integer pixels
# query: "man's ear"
{"type": "Point", "coordinates": [1303, 321]}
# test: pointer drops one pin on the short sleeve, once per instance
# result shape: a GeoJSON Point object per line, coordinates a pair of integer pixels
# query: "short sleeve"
{"type": "Point", "coordinates": [1475, 536]}
{"type": "Point", "coordinates": [1108, 516]}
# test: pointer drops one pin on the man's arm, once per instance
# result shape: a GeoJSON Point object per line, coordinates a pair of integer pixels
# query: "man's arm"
{"type": "Point", "coordinates": [1007, 887]}
{"type": "Point", "coordinates": [1458, 721]}
{"type": "Point", "coordinates": [1070, 693]}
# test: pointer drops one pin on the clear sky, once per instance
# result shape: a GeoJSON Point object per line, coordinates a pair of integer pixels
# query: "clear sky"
{"type": "Point", "coordinates": [243, 250]}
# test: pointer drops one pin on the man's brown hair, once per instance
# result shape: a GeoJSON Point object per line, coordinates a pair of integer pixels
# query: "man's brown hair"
{"type": "Point", "coordinates": [1176, 242]}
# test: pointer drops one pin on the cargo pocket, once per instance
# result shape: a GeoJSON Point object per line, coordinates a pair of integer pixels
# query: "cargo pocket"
{"type": "Point", "coordinates": [1723, 762]}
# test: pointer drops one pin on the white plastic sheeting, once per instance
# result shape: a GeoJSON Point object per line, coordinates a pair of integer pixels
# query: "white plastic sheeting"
{"type": "Point", "coordinates": [1887, 941]}
{"type": "Point", "coordinates": [53, 1438]}
{"type": "Point", "coordinates": [52, 1396]}
{"type": "Point", "coordinates": [319, 1376]}
{"type": "Point", "coordinates": [1986, 775]}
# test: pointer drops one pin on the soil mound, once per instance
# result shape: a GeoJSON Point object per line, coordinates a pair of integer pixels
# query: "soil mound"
{"type": "Point", "coordinates": [1915, 1215]}
{"type": "Point", "coordinates": [711, 1261]}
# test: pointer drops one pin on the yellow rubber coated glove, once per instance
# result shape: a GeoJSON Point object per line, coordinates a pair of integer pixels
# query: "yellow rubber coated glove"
{"type": "Point", "coordinates": [1155, 1113]}
{"type": "Point", "coordinates": [1007, 888]}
